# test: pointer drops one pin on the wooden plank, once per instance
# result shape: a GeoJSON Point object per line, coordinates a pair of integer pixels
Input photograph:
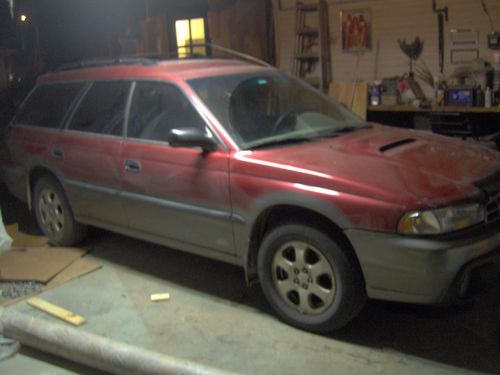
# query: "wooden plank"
{"type": "Point", "coordinates": [353, 96]}
{"type": "Point", "coordinates": [56, 311]}
{"type": "Point", "coordinates": [360, 100]}
{"type": "Point", "coordinates": [160, 297]}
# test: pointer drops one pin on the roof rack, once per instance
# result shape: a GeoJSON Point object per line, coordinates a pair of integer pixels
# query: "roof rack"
{"type": "Point", "coordinates": [97, 63]}
{"type": "Point", "coordinates": [153, 59]}
{"type": "Point", "coordinates": [240, 55]}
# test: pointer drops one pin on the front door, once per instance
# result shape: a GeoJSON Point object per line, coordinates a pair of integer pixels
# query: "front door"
{"type": "Point", "coordinates": [179, 194]}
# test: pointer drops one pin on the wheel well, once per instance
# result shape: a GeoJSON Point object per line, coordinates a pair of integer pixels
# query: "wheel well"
{"type": "Point", "coordinates": [285, 214]}
{"type": "Point", "coordinates": [35, 174]}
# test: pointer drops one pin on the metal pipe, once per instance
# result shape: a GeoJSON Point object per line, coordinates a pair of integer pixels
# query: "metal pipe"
{"type": "Point", "coordinates": [442, 16]}
{"type": "Point", "coordinates": [92, 350]}
{"type": "Point", "coordinates": [441, 41]}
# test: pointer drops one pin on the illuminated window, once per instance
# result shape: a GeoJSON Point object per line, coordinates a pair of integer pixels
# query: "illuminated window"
{"type": "Point", "coordinates": [190, 37]}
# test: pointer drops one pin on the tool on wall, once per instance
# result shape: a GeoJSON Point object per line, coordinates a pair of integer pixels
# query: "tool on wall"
{"type": "Point", "coordinates": [312, 46]}
{"type": "Point", "coordinates": [442, 17]}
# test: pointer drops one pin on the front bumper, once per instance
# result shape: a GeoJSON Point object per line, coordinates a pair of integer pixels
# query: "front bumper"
{"type": "Point", "coordinates": [423, 270]}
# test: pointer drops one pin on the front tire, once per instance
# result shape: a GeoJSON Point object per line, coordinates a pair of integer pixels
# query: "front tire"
{"type": "Point", "coordinates": [309, 279]}
{"type": "Point", "coordinates": [54, 215]}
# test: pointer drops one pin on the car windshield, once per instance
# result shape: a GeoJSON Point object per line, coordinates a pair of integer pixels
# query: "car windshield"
{"type": "Point", "coordinates": [273, 108]}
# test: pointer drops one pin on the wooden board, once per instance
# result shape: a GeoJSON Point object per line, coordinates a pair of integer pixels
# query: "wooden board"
{"type": "Point", "coordinates": [57, 311]}
{"type": "Point", "coordinates": [231, 26]}
{"type": "Point", "coordinates": [353, 96]}
{"type": "Point", "coordinates": [160, 297]}
{"type": "Point", "coordinates": [36, 264]}
{"type": "Point", "coordinates": [22, 240]}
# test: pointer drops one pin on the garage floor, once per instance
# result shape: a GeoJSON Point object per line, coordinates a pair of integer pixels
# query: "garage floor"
{"type": "Point", "coordinates": [212, 318]}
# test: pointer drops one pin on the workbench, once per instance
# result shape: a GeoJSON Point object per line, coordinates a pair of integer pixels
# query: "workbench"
{"type": "Point", "coordinates": [460, 121]}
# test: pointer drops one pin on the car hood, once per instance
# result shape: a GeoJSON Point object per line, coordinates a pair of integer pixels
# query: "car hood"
{"type": "Point", "coordinates": [390, 164]}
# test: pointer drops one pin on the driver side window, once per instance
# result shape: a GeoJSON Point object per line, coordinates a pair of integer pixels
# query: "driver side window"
{"type": "Point", "coordinates": [157, 108]}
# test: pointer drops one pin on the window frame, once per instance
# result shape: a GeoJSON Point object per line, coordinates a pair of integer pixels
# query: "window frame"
{"type": "Point", "coordinates": [14, 122]}
{"type": "Point", "coordinates": [208, 126]}
{"type": "Point", "coordinates": [191, 46]}
{"type": "Point", "coordinates": [89, 85]}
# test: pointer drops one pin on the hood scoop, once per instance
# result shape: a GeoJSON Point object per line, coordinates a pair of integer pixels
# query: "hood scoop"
{"type": "Point", "coordinates": [397, 144]}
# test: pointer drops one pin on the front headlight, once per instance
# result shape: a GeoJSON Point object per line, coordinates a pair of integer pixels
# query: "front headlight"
{"type": "Point", "coordinates": [442, 220]}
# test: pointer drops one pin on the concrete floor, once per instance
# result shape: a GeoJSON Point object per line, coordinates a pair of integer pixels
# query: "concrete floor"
{"type": "Point", "coordinates": [214, 319]}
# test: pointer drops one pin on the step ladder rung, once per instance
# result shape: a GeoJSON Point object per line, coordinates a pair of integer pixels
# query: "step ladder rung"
{"type": "Point", "coordinates": [308, 31]}
{"type": "Point", "coordinates": [307, 56]}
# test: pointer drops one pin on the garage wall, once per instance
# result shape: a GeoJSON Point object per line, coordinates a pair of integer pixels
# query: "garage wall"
{"type": "Point", "coordinates": [241, 25]}
{"type": "Point", "coordinates": [391, 20]}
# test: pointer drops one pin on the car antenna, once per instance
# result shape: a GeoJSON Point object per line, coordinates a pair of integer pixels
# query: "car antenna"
{"type": "Point", "coordinates": [241, 55]}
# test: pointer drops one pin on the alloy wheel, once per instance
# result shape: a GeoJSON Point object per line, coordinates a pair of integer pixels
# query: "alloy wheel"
{"type": "Point", "coordinates": [303, 277]}
{"type": "Point", "coordinates": [51, 211]}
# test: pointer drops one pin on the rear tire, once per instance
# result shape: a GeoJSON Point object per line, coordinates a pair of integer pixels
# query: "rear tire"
{"type": "Point", "coordinates": [54, 215]}
{"type": "Point", "coordinates": [309, 279]}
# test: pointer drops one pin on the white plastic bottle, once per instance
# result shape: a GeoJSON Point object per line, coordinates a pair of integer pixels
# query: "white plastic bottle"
{"type": "Point", "coordinates": [487, 98]}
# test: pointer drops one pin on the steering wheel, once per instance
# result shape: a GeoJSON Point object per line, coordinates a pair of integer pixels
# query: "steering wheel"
{"type": "Point", "coordinates": [281, 120]}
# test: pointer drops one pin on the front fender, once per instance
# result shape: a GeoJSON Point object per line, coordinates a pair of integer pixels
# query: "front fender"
{"type": "Point", "coordinates": [243, 227]}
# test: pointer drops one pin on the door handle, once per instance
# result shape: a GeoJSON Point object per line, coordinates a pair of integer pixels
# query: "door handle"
{"type": "Point", "coordinates": [132, 166]}
{"type": "Point", "coordinates": [58, 154]}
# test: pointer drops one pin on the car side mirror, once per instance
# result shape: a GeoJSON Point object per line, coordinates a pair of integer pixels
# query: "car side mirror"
{"type": "Point", "coordinates": [192, 137]}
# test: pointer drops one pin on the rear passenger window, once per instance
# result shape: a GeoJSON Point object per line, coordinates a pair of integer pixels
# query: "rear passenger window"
{"type": "Point", "coordinates": [48, 104]}
{"type": "Point", "coordinates": [157, 108]}
{"type": "Point", "coordinates": [102, 110]}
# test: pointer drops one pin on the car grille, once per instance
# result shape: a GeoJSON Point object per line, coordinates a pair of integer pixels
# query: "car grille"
{"type": "Point", "coordinates": [491, 187]}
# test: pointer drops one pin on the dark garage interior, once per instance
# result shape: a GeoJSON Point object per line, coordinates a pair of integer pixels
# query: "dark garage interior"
{"type": "Point", "coordinates": [249, 186]}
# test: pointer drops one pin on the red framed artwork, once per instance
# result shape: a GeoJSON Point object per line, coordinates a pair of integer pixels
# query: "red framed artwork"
{"type": "Point", "coordinates": [356, 30]}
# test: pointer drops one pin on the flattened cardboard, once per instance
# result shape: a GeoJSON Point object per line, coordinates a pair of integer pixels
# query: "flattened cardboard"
{"type": "Point", "coordinates": [22, 240]}
{"type": "Point", "coordinates": [37, 264]}
{"type": "Point", "coordinates": [78, 268]}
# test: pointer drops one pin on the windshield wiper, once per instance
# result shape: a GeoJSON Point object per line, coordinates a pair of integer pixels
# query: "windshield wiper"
{"type": "Point", "coordinates": [344, 130]}
{"type": "Point", "coordinates": [281, 142]}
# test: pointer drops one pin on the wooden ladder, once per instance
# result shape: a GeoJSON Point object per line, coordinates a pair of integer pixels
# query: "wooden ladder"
{"type": "Point", "coordinates": [312, 60]}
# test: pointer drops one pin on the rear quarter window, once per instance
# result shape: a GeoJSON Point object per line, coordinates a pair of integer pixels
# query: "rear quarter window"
{"type": "Point", "coordinates": [48, 104]}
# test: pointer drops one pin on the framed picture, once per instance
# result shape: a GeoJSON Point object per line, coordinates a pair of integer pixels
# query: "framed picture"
{"type": "Point", "coordinates": [356, 30]}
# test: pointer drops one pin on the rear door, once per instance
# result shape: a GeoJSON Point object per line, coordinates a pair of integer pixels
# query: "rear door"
{"type": "Point", "coordinates": [180, 194]}
{"type": "Point", "coordinates": [89, 154]}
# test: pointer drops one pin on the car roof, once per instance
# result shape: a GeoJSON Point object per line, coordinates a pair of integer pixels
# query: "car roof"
{"type": "Point", "coordinates": [182, 69]}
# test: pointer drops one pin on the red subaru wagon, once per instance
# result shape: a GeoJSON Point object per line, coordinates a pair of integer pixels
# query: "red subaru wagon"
{"type": "Point", "coordinates": [247, 165]}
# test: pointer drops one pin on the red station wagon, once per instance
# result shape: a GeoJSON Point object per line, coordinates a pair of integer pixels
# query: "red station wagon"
{"type": "Point", "coordinates": [247, 165]}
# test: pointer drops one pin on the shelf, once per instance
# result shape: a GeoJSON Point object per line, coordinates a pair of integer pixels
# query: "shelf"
{"type": "Point", "coordinates": [407, 108]}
